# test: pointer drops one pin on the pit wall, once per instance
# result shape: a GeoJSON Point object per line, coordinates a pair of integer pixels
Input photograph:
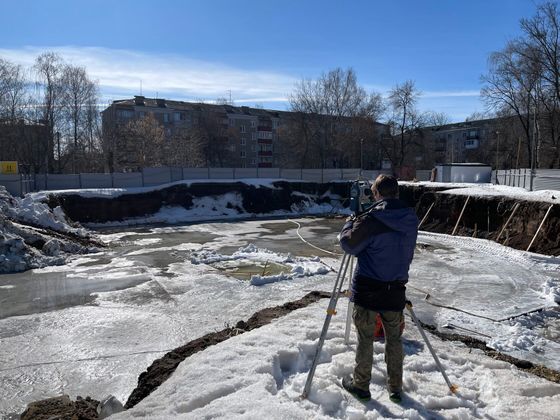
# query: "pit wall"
{"type": "Point", "coordinates": [483, 217]}
{"type": "Point", "coordinates": [488, 217]}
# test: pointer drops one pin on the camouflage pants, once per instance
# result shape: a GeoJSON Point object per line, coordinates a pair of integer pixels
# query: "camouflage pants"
{"type": "Point", "coordinates": [364, 320]}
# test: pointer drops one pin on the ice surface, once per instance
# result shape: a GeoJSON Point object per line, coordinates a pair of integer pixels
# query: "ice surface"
{"type": "Point", "coordinates": [100, 348]}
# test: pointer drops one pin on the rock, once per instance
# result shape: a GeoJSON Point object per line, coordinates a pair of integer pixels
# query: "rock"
{"type": "Point", "coordinates": [109, 406]}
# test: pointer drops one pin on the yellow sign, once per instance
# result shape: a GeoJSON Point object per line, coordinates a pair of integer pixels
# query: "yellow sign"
{"type": "Point", "coordinates": [8, 167]}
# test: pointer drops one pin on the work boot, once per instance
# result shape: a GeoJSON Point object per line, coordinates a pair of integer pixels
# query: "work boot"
{"type": "Point", "coordinates": [395, 396]}
{"type": "Point", "coordinates": [359, 393]}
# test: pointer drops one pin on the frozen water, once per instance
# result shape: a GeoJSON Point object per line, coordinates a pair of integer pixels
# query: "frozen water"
{"type": "Point", "coordinates": [90, 327]}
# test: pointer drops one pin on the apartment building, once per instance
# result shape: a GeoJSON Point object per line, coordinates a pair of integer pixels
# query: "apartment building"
{"type": "Point", "coordinates": [248, 134]}
{"type": "Point", "coordinates": [463, 142]}
{"type": "Point", "coordinates": [241, 136]}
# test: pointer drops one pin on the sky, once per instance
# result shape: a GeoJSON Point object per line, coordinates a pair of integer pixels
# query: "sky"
{"type": "Point", "coordinates": [256, 51]}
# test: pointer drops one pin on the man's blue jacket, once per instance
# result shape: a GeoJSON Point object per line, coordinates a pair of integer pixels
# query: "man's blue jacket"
{"type": "Point", "coordinates": [383, 239]}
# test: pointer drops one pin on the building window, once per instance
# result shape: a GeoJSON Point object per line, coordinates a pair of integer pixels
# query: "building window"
{"type": "Point", "coordinates": [253, 136]}
{"type": "Point", "coordinates": [274, 124]}
{"type": "Point", "coordinates": [242, 154]}
{"type": "Point", "coordinates": [125, 114]}
{"type": "Point", "coordinates": [141, 114]}
{"type": "Point", "coordinates": [231, 122]}
{"type": "Point", "coordinates": [242, 129]}
{"type": "Point", "coordinates": [177, 116]}
{"type": "Point", "coordinates": [253, 123]}
{"type": "Point", "coordinates": [165, 118]}
{"type": "Point", "coordinates": [265, 135]}
{"type": "Point", "coordinates": [243, 141]}
{"type": "Point", "coordinates": [265, 147]}
{"type": "Point", "coordinates": [265, 159]}
{"type": "Point", "coordinates": [253, 161]}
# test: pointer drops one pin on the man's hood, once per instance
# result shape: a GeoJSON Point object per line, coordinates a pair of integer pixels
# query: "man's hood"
{"type": "Point", "coordinates": [394, 214]}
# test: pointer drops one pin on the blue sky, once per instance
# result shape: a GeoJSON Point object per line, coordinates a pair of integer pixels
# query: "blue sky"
{"type": "Point", "coordinates": [258, 50]}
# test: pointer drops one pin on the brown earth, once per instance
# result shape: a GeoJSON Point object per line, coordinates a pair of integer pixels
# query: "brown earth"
{"type": "Point", "coordinates": [162, 368]}
{"type": "Point", "coordinates": [484, 217]}
{"type": "Point", "coordinates": [62, 408]}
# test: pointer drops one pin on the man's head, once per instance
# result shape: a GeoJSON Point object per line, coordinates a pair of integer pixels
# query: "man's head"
{"type": "Point", "coordinates": [385, 186]}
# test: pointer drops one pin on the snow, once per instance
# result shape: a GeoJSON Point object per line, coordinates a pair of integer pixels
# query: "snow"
{"type": "Point", "coordinates": [117, 192]}
{"type": "Point", "coordinates": [261, 374]}
{"type": "Point", "coordinates": [157, 288]}
{"type": "Point", "coordinates": [169, 292]}
{"type": "Point", "coordinates": [491, 190]}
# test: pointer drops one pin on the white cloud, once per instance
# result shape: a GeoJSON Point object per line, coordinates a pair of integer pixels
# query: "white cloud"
{"type": "Point", "coordinates": [122, 72]}
{"type": "Point", "coordinates": [451, 94]}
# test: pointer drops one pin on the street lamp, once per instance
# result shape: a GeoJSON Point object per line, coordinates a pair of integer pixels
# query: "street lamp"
{"type": "Point", "coordinates": [361, 155]}
{"type": "Point", "coordinates": [497, 150]}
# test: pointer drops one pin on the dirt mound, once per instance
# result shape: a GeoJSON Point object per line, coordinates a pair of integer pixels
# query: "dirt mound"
{"type": "Point", "coordinates": [62, 408]}
{"type": "Point", "coordinates": [161, 369]}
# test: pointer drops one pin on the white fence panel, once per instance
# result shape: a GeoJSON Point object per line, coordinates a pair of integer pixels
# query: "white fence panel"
{"type": "Point", "coordinates": [195, 173]}
{"type": "Point", "coordinates": [127, 180]}
{"type": "Point", "coordinates": [351, 174]}
{"type": "Point", "coordinates": [547, 179]}
{"type": "Point", "coordinates": [63, 182]}
{"type": "Point", "coordinates": [423, 174]}
{"type": "Point", "coordinates": [221, 173]}
{"type": "Point", "coordinates": [96, 180]}
{"type": "Point", "coordinates": [241, 173]}
{"type": "Point", "coordinates": [156, 176]}
{"type": "Point", "coordinates": [332, 175]}
{"type": "Point", "coordinates": [176, 173]}
{"type": "Point", "coordinates": [314, 175]}
{"type": "Point", "coordinates": [290, 173]}
{"type": "Point", "coordinates": [269, 173]}
{"type": "Point", "coordinates": [12, 184]}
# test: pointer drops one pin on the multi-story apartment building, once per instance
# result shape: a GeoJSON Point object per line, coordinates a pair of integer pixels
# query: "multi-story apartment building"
{"type": "Point", "coordinates": [27, 142]}
{"type": "Point", "coordinates": [462, 142]}
{"type": "Point", "coordinates": [242, 136]}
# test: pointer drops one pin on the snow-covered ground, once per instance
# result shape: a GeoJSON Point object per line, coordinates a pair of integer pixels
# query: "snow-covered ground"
{"type": "Point", "coordinates": [157, 288]}
{"type": "Point", "coordinates": [92, 325]}
{"type": "Point", "coordinates": [261, 375]}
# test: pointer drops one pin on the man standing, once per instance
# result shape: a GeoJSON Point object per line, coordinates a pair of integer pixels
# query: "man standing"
{"type": "Point", "coordinates": [383, 239]}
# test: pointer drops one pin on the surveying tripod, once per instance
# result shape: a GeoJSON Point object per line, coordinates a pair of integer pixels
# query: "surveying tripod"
{"type": "Point", "coordinates": [347, 261]}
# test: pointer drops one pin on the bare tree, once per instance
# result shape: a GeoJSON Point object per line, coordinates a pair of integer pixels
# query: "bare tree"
{"type": "Point", "coordinates": [326, 109]}
{"type": "Point", "coordinates": [49, 67]}
{"type": "Point", "coordinates": [78, 96]}
{"type": "Point", "coordinates": [139, 144]}
{"type": "Point", "coordinates": [510, 88]}
{"type": "Point", "coordinates": [185, 148]}
{"type": "Point", "coordinates": [404, 119]}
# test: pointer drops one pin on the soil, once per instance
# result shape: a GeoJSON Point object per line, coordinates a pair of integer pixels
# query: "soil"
{"type": "Point", "coordinates": [487, 218]}
{"type": "Point", "coordinates": [161, 369]}
{"type": "Point", "coordinates": [62, 408]}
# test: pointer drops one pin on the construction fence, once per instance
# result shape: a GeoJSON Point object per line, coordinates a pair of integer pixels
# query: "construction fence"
{"type": "Point", "coordinates": [19, 185]}
{"type": "Point", "coordinates": [542, 179]}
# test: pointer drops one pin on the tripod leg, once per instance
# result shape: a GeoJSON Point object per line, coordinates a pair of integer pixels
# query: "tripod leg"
{"type": "Point", "coordinates": [330, 312]}
{"type": "Point", "coordinates": [452, 388]}
{"type": "Point", "coordinates": [350, 307]}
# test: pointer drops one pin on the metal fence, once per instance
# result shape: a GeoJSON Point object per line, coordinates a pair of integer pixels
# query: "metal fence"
{"type": "Point", "coordinates": [19, 185]}
{"type": "Point", "coordinates": [542, 179]}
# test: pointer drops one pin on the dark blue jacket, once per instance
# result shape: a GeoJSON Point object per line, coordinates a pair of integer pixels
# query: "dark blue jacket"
{"type": "Point", "coordinates": [383, 239]}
